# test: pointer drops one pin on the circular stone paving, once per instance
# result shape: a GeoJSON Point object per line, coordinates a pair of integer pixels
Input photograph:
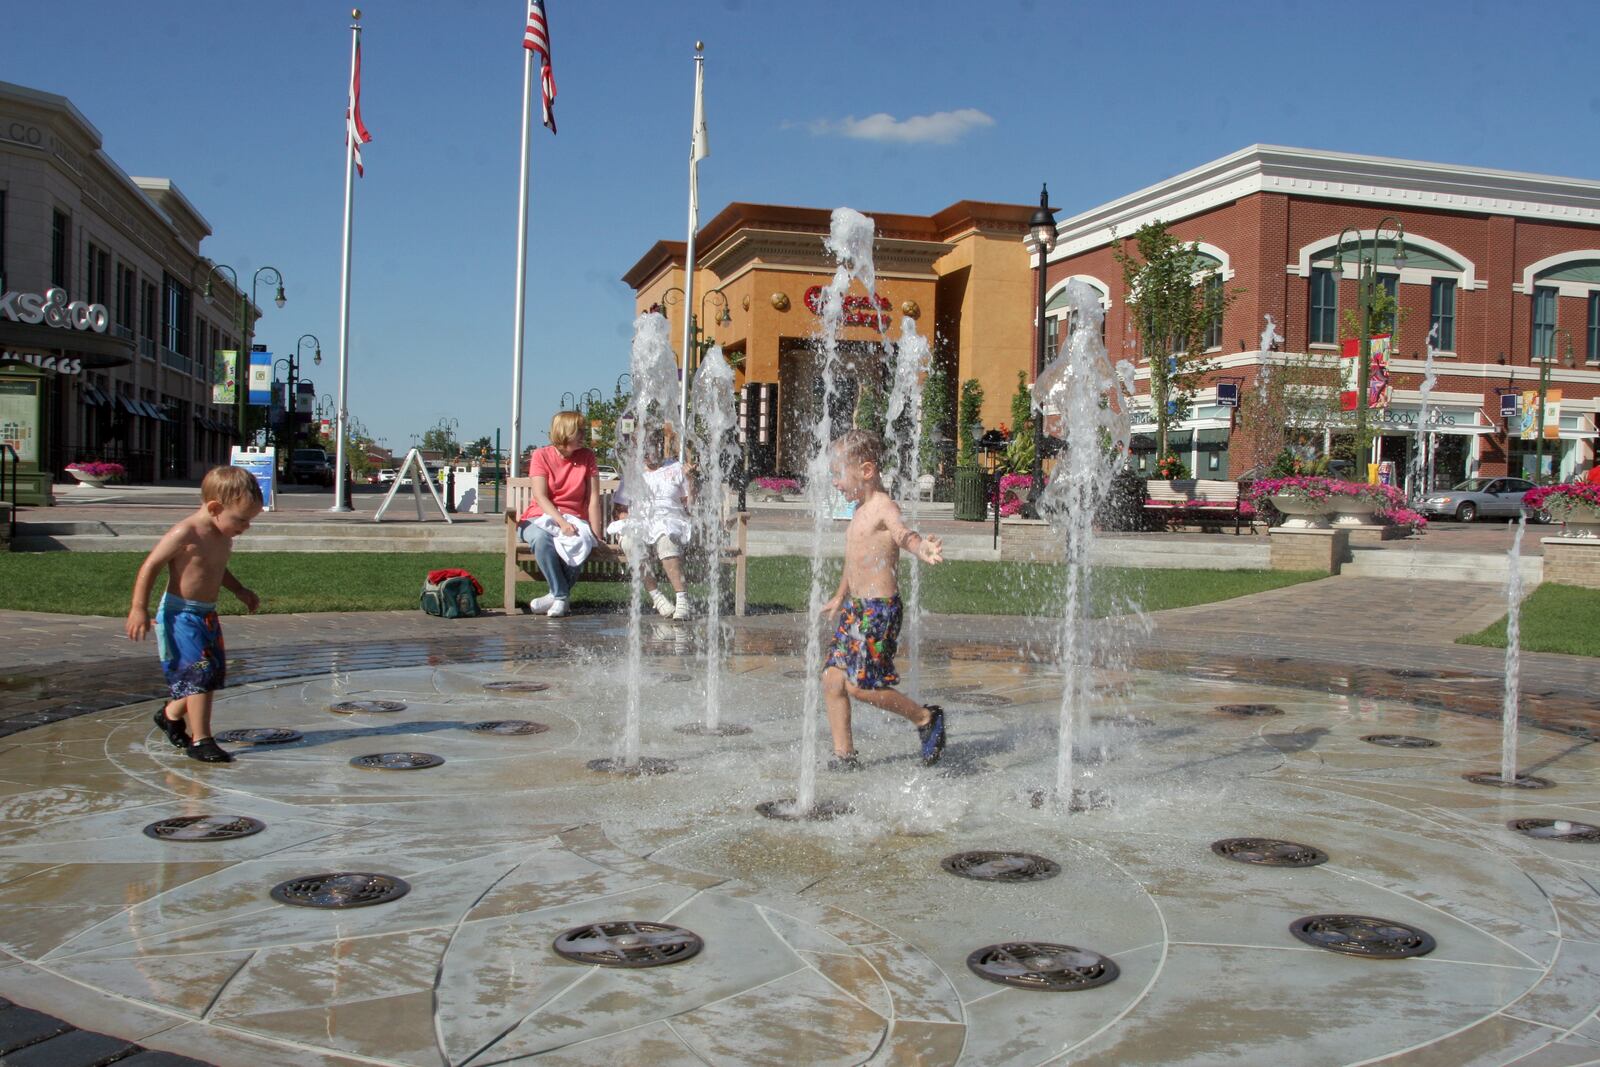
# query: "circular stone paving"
{"type": "Point", "coordinates": [825, 941]}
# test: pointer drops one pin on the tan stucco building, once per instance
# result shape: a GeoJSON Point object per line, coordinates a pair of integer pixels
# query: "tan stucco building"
{"type": "Point", "coordinates": [962, 274]}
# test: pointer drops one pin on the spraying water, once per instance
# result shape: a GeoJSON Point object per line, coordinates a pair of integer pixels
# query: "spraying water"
{"type": "Point", "coordinates": [849, 241]}
{"type": "Point", "coordinates": [654, 373]}
{"type": "Point", "coordinates": [1422, 455]}
{"type": "Point", "coordinates": [1509, 708]}
{"type": "Point", "coordinates": [714, 409]}
{"type": "Point", "coordinates": [1270, 340]}
{"type": "Point", "coordinates": [903, 433]}
{"type": "Point", "coordinates": [1077, 387]}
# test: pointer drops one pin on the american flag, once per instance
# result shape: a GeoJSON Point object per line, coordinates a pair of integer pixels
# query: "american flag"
{"type": "Point", "coordinates": [536, 38]}
{"type": "Point", "coordinates": [355, 131]}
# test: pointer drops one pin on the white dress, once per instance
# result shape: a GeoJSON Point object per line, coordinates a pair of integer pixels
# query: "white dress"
{"type": "Point", "coordinates": [665, 510]}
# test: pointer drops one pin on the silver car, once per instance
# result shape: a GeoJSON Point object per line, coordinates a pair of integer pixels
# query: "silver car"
{"type": "Point", "coordinates": [1480, 497]}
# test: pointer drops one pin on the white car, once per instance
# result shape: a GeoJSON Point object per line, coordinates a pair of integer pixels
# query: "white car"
{"type": "Point", "coordinates": [388, 474]}
{"type": "Point", "coordinates": [607, 472]}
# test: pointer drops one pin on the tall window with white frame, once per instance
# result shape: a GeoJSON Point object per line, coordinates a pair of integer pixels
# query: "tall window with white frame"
{"type": "Point", "coordinates": [1213, 338]}
{"type": "Point", "coordinates": [1591, 352]}
{"type": "Point", "coordinates": [1442, 314]}
{"type": "Point", "coordinates": [1324, 316]}
{"type": "Point", "coordinates": [1543, 341]}
{"type": "Point", "coordinates": [1052, 340]}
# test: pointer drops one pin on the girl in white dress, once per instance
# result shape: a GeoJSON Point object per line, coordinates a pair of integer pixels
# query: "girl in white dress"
{"type": "Point", "coordinates": [660, 522]}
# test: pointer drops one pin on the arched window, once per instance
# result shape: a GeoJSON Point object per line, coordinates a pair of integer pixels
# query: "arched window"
{"type": "Point", "coordinates": [1058, 314]}
{"type": "Point", "coordinates": [1427, 262]}
{"type": "Point", "coordinates": [1574, 276]}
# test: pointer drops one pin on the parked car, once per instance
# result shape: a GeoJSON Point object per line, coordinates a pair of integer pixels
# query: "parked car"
{"type": "Point", "coordinates": [1480, 498]}
{"type": "Point", "coordinates": [387, 475]}
{"type": "Point", "coordinates": [608, 472]}
{"type": "Point", "coordinates": [311, 465]}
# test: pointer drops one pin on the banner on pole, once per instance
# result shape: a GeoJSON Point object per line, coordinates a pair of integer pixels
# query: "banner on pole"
{"type": "Point", "coordinates": [1529, 415]}
{"type": "Point", "coordinates": [224, 378]}
{"type": "Point", "coordinates": [260, 378]}
{"type": "Point", "coordinates": [1379, 389]}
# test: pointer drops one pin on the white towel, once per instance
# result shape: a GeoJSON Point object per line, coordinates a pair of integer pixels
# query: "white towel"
{"type": "Point", "coordinates": [574, 548]}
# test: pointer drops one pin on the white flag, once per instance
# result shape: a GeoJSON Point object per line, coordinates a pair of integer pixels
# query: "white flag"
{"type": "Point", "coordinates": [702, 147]}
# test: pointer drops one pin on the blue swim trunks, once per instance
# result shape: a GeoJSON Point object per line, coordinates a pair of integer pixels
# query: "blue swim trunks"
{"type": "Point", "coordinates": [189, 641]}
{"type": "Point", "coordinates": [864, 642]}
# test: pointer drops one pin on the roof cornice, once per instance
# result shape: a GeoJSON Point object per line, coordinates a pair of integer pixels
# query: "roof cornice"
{"type": "Point", "coordinates": [1378, 180]}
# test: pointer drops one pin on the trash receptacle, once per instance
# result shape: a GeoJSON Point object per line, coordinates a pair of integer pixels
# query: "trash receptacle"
{"type": "Point", "coordinates": [971, 498]}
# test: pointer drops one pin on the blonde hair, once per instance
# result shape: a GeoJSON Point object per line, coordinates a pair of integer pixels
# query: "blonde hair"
{"type": "Point", "coordinates": [566, 427]}
{"type": "Point", "coordinates": [230, 487]}
{"type": "Point", "coordinates": [859, 446]}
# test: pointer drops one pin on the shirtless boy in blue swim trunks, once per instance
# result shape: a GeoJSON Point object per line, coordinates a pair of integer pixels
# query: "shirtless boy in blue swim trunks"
{"type": "Point", "coordinates": [188, 636]}
{"type": "Point", "coordinates": [861, 661]}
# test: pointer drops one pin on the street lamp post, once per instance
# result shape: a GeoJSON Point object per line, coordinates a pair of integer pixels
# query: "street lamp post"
{"type": "Point", "coordinates": [1544, 389]}
{"type": "Point", "coordinates": [246, 330]}
{"type": "Point", "coordinates": [1366, 283]}
{"type": "Point", "coordinates": [293, 367]}
{"type": "Point", "coordinates": [701, 342]}
{"type": "Point", "coordinates": [1041, 241]}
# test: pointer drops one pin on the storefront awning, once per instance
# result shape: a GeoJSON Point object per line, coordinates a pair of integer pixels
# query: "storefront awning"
{"type": "Point", "coordinates": [130, 406]}
{"type": "Point", "coordinates": [95, 350]}
{"type": "Point", "coordinates": [93, 397]}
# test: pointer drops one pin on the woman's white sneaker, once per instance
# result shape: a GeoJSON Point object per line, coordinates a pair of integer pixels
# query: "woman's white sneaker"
{"type": "Point", "coordinates": [558, 608]}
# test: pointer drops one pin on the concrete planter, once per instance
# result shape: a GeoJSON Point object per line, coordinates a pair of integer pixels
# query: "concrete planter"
{"type": "Point", "coordinates": [1352, 510]}
{"type": "Point", "coordinates": [1581, 519]}
{"type": "Point", "coordinates": [1302, 514]}
{"type": "Point", "coordinates": [93, 481]}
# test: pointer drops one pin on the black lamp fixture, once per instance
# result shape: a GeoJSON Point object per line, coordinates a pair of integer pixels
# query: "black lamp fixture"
{"type": "Point", "coordinates": [1041, 241]}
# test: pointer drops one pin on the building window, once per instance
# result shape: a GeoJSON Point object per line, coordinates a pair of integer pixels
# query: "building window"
{"type": "Point", "coordinates": [1391, 285]}
{"type": "Point", "coordinates": [175, 315]}
{"type": "Point", "coordinates": [99, 279]}
{"type": "Point", "coordinates": [60, 247]}
{"type": "Point", "coordinates": [1544, 321]}
{"type": "Point", "coordinates": [1324, 318]}
{"type": "Point", "coordinates": [1592, 352]}
{"type": "Point", "coordinates": [126, 280]}
{"type": "Point", "coordinates": [147, 313]}
{"type": "Point", "coordinates": [1052, 341]}
{"type": "Point", "coordinates": [1442, 314]}
{"type": "Point", "coordinates": [1213, 336]}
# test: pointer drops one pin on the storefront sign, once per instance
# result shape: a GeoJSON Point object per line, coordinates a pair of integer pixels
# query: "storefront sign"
{"type": "Point", "coordinates": [224, 377]}
{"type": "Point", "coordinates": [858, 310]}
{"type": "Point", "coordinates": [19, 417]}
{"type": "Point", "coordinates": [1437, 417]}
{"type": "Point", "coordinates": [263, 464]}
{"type": "Point", "coordinates": [53, 309]}
{"type": "Point", "coordinates": [260, 378]}
{"type": "Point", "coordinates": [59, 364]}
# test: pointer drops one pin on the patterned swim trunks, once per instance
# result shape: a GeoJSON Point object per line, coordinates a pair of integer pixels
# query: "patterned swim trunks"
{"type": "Point", "coordinates": [189, 641]}
{"type": "Point", "coordinates": [864, 643]}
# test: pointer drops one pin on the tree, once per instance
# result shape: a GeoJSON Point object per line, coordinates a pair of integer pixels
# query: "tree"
{"type": "Point", "coordinates": [482, 448]}
{"type": "Point", "coordinates": [968, 414]}
{"type": "Point", "coordinates": [935, 415]}
{"type": "Point", "coordinates": [1174, 301]}
{"type": "Point", "coordinates": [441, 440]}
{"type": "Point", "coordinates": [1019, 454]}
{"type": "Point", "coordinates": [1293, 397]}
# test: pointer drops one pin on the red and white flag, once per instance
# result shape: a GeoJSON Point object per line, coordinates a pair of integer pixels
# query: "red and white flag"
{"type": "Point", "coordinates": [536, 38]}
{"type": "Point", "coordinates": [356, 130]}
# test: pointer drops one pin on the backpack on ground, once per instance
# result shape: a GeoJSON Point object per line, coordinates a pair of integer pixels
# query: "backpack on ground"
{"type": "Point", "coordinates": [451, 596]}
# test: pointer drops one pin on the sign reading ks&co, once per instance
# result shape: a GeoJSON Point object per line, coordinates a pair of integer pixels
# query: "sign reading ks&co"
{"type": "Point", "coordinates": [53, 309]}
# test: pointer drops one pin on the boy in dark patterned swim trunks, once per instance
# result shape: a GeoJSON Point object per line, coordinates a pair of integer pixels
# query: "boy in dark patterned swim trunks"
{"type": "Point", "coordinates": [861, 661]}
{"type": "Point", "coordinates": [195, 554]}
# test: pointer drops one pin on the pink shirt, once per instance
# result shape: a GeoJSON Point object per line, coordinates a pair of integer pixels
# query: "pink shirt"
{"type": "Point", "coordinates": [568, 477]}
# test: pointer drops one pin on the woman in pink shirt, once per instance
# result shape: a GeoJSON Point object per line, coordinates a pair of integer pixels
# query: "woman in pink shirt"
{"type": "Point", "coordinates": [566, 486]}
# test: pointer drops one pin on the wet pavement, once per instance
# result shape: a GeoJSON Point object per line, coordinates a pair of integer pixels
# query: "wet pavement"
{"type": "Point", "coordinates": [841, 942]}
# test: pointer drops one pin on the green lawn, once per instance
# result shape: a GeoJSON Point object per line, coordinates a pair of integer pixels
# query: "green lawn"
{"type": "Point", "coordinates": [98, 583]}
{"type": "Point", "coordinates": [1555, 618]}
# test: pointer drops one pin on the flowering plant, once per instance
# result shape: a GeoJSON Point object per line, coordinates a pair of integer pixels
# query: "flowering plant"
{"type": "Point", "coordinates": [1010, 497]}
{"type": "Point", "coordinates": [1403, 516]}
{"type": "Point", "coordinates": [1171, 467]}
{"type": "Point", "coordinates": [1309, 487]}
{"type": "Point", "coordinates": [98, 469]}
{"type": "Point", "coordinates": [776, 485]}
{"type": "Point", "coordinates": [1562, 498]}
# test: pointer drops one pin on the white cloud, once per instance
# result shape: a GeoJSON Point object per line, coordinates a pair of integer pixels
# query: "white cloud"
{"type": "Point", "coordinates": [941, 127]}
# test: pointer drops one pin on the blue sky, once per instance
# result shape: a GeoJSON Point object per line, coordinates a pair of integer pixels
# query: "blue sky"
{"type": "Point", "coordinates": [888, 106]}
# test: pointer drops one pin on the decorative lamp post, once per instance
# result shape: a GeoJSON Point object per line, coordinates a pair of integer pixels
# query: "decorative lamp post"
{"type": "Point", "coordinates": [246, 328]}
{"type": "Point", "coordinates": [1366, 285]}
{"type": "Point", "coordinates": [1544, 388]}
{"type": "Point", "coordinates": [1040, 242]}
{"type": "Point", "coordinates": [293, 364]}
{"type": "Point", "coordinates": [701, 342]}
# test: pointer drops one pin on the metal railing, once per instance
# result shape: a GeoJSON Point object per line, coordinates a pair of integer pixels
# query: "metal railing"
{"type": "Point", "coordinates": [147, 347]}
{"type": "Point", "coordinates": [9, 457]}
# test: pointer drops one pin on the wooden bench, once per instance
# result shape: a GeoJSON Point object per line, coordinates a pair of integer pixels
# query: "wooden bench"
{"type": "Point", "coordinates": [1194, 496]}
{"type": "Point", "coordinates": [607, 563]}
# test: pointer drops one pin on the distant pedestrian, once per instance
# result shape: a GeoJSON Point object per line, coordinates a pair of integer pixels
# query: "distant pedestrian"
{"type": "Point", "coordinates": [195, 554]}
{"type": "Point", "coordinates": [860, 664]}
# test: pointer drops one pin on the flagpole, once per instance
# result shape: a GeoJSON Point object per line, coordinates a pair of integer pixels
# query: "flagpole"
{"type": "Point", "coordinates": [520, 303]}
{"type": "Point", "coordinates": [339, 501]}
{"type": "Point", "coordinates": [688, 259]}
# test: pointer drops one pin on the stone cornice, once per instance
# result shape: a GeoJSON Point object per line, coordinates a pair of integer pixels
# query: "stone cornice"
{"type": "Point", "coordinates": [1376, 180]}
{"type": "Point", "coordinates": [780, 248]}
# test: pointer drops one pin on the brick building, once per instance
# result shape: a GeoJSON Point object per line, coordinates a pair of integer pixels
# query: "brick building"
{"type": "Point", "coordinates": [1506, 265]}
